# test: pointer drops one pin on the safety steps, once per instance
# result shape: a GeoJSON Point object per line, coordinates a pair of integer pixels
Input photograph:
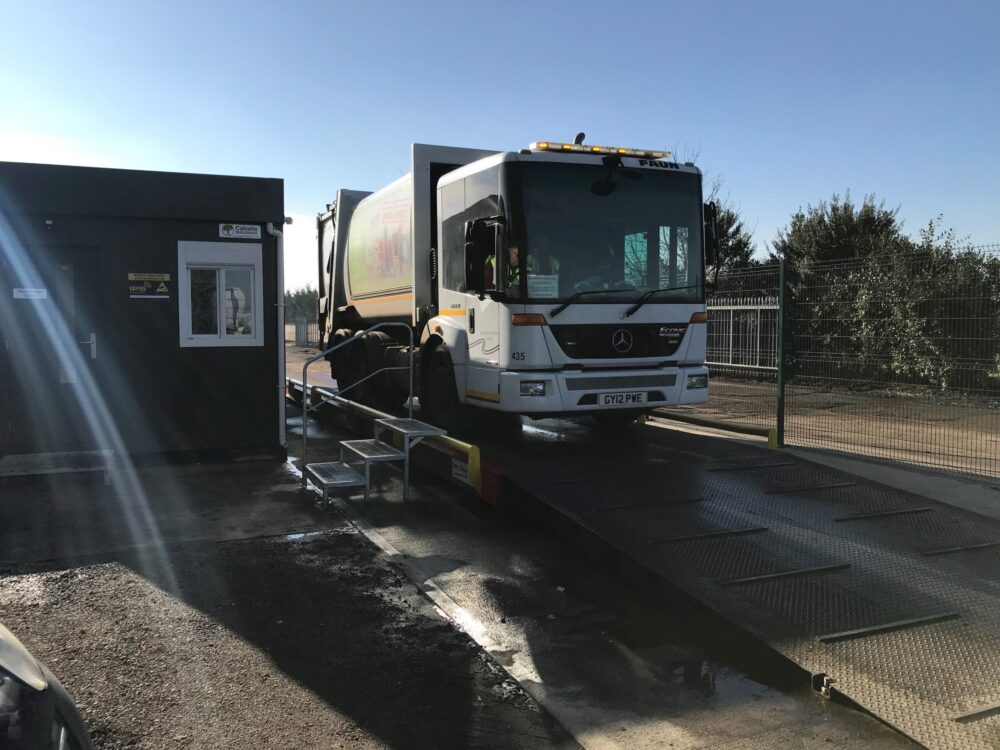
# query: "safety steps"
{"type": "Point", "coordinates": [407, 432]}
{"type": "Point", "coordinates": [334, 475]}
{"type": "Point", "coordinates": [342, 474]}
{"type": "Point", "coordinates": [371, 450]}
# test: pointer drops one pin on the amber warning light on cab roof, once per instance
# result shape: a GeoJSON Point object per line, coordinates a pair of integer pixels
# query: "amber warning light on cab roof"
{"type": "Point", "coordinates": [582, 148]}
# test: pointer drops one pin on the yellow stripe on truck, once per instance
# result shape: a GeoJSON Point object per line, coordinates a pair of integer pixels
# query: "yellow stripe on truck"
{"type": "Point", "coordinates": [482, 396]}
{"type": "Point", "coordinates": [451, 312]}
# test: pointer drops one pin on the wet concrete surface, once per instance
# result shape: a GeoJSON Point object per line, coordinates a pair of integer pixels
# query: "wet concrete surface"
{"type": "Point", "coordinates": [617, 664]}
{"type": "Point", "coordinates": [218, 607]}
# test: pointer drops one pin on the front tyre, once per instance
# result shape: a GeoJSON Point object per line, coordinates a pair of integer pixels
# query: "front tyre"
{"type": "Point", "coordinates": [440, 396]}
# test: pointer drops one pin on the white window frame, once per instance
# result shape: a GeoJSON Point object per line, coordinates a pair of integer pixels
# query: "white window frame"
{"type": "Point", "coordinates": [219, 256]}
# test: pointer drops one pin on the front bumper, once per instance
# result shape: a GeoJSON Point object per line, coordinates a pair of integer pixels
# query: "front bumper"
{"type": "Point", "coordinates": [578, 391]}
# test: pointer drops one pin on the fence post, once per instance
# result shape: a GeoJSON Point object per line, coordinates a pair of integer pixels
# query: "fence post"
{"type": "Point", "coordinates": [757, 356]}
{"type": "Point", "coordinates": [782, 300]}
{"type": "Point", "coordinates": [732, 326]}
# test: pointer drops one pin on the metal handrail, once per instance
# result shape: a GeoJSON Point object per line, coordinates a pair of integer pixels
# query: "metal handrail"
{"type": "Point", "coordinates": [323, 355]}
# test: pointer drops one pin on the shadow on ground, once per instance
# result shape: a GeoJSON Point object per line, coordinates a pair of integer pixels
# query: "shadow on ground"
{"type": "Point", "coordinates": [262, 622]}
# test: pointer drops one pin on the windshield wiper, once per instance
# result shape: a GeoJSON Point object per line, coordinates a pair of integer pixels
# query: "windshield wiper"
{"type": "Point", "coordinates": [575, 296]}
{"type": "Point", "coordinates": [646, 295]}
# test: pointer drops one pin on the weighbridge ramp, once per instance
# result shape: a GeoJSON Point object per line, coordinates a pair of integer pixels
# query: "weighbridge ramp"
{"type": "Point", "coordinates": [888, 598]}
{"type": "Point", "coordinates": [885, 597]}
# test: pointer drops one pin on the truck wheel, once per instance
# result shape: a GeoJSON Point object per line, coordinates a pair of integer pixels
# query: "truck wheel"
{"type": "Point", "coordinates": [338, 360]}
{"type": "Point", "coordinates": [385, 393]}
{"type": "Point", "coordinates": [441, 395]}
{"type": "Point", "coordinates": [354, 369]}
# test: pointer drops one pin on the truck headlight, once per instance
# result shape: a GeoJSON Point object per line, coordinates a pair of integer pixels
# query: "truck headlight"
{"type": "Point", "coordinates": [697, 381]}
{"type": "Point", "coordinates": [532, 387]}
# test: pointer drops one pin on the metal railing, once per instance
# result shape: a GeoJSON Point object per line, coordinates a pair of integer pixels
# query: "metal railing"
{"type": "Point", "coordinates": [302, 332]}
{"type": "Point", "coordinates": [897, 356]}
{"type": "Point", "coordinates": [893, 356]}
{"type": "Point", "coordinates": [307, 398]}
{"type": "Point", "coordinates": [743, 332]}
{"type": "Point", "coordinates": [742, 350]}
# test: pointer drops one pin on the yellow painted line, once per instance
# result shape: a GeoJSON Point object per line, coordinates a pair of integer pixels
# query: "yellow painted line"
{"type": "Point", "coordinates": [765, 432]}
{"type": "Point", "coordinates": [383, 298]}
{"type": "Point", "coordinates": [481, 396]}
{"type": "Point", "coordinates": [451, 312]}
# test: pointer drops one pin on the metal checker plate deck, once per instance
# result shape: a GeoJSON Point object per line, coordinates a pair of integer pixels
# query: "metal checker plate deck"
{"type": "Point", "coordinates": [410, 427]}
{"type": "Point", "coordinates": [336, 474]}
{"type": "Point", "coordinates": [920, 679]}
{"type": "Point", "coordinates": [373, 450]}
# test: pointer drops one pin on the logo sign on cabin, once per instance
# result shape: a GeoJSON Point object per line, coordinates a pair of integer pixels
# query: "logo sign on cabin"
{"type": "Point", "coordinates": [239, 231]}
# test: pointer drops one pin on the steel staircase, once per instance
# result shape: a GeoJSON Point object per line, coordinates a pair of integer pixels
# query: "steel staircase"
{"type": "Point", "coordinates": [354, 454]}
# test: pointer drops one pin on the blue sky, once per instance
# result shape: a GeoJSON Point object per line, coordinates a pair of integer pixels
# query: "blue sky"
{"type": "Point", "coordinates": [788, 102]}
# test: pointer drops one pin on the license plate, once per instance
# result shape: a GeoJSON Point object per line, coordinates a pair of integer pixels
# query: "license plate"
{"type": "Point", "coordinates": [621, 399]}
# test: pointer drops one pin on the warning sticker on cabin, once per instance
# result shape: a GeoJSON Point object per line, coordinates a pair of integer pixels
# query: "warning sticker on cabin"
{"type": "Point", "coordinates": [240, 231]}
{"type": "Point", "coordinates": [148, 286]}
{"type": "Point", "coordinates": [21, 293]}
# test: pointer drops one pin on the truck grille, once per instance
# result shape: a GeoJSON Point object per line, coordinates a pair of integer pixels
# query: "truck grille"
{"type": "Point", "coordinates": [619, 341]}
{"type": "Point", "coordinates": [611, 381]}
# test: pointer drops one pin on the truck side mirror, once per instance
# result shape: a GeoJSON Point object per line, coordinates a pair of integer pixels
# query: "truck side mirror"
{"type": "Point", "coordinates": [711, 233]}
{"type": "Point", "coordinates": [475, 257]}
{"type": "Point", "coordinates": [483, 241]}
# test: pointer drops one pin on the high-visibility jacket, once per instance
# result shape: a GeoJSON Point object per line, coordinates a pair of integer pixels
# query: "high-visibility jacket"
{"type": "Point", "coordinates": [490, 274]}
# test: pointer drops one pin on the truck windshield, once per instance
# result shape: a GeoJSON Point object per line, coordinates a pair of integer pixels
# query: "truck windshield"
{"type": "Point", "coordinates": [624, 231]}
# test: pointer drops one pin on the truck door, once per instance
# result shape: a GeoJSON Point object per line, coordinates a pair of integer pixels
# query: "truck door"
{"type": "Point", "coordinates": [483, 325]}
{"type": "Point", "coordinates": [464, 279]}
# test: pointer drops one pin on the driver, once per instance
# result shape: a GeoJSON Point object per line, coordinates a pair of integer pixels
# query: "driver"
{"type": "Point", "coordinates": [513, 271]}
{"type": "Point", "coordinates": [540, 259]}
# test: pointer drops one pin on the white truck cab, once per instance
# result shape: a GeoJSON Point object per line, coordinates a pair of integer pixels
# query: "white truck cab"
{"type": "Point", "coordinates": [563, 279]}
{"type": "Point", "coordinates": [573, 282]}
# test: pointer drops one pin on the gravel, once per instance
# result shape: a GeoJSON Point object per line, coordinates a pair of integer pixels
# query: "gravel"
{"type": "Point", "coordinates": [307, 641]}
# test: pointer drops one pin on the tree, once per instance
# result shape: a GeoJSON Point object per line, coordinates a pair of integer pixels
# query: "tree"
{"type": "Point", "coordinates": [839, 230]}
{"type": "Point", "coordinates": [870, 305]}
{"type": "Point", "coordinates": [301, 303]}
{"type": "Point", "coordinates": [736, 246]}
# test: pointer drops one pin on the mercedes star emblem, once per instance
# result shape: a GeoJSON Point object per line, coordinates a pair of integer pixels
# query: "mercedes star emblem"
{"type": "Point", "coordinates": [621, 340]}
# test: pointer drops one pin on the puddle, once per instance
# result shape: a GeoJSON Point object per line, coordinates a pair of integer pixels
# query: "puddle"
{"type": "Point", "coordinates": [300, 535]}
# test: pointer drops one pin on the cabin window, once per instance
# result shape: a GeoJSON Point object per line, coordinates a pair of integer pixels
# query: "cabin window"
{"type": "Point", "coordinates": [452, 259]}
{"type": "Point", "coordinates": [475, 197]}
{"type": "Point", "coordinates": [220, 289]}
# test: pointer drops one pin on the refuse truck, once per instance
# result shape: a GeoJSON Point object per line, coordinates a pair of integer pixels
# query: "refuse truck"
{"type": "Point", "coordinates": [564, 279]}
